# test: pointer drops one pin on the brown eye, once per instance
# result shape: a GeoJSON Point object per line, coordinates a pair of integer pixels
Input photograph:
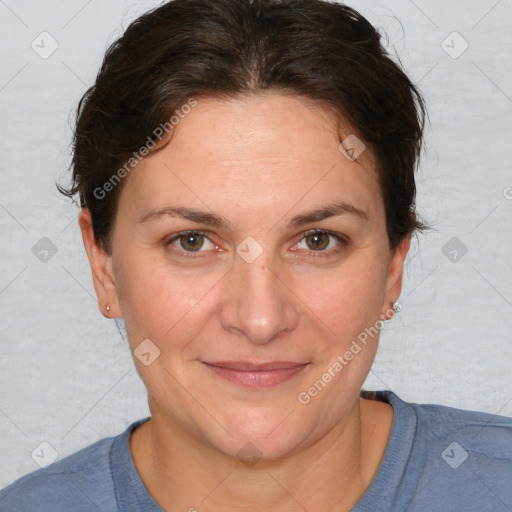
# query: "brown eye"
{"type": "Point", "coordinates": [317, 241]}
{"type": "Point", "coordinates": [322, 243]}
{"type": "Point", "coordinates": [191, 242]}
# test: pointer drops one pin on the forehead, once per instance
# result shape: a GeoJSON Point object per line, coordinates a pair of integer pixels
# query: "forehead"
{"type": "Point", "coordinates": [262, 148]}
{"type": "Point", "coordinates": [270, 125]}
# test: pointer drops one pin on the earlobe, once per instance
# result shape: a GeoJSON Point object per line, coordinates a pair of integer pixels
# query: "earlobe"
{"type": "Point", "coordinates": [101, 268]}
{"type": "Point", "coordinates": [394, 278]}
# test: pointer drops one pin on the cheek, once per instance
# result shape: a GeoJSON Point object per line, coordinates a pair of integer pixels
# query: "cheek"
{"type": "Point", "coordinates": [163, 305]}
{"type": "Point", "coordinates": [345, 300]}
{"type": "Point", "coordinates": [172, 308]}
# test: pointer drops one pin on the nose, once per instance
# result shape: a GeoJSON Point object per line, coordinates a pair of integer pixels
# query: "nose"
{"type": "Point", "coordinates": [259, 305]}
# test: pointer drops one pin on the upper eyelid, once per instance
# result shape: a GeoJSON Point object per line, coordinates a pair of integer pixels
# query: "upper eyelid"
{"type": "Point", "coordinates": [325, 231]}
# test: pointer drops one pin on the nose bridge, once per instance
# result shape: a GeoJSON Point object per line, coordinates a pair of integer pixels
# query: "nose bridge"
{"type": "Point", "coordinates": [259, 306]}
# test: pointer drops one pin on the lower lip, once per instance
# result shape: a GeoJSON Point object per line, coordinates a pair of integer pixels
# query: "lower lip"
{"type": "Point", "coordinates": [257, 379]}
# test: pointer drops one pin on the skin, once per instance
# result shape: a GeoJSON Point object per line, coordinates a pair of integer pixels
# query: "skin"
{"type": "Point", "coordinates": [258, 161]}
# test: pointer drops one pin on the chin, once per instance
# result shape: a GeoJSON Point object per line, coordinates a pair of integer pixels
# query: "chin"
{"type": "Point", "coordinates": [273, 435]}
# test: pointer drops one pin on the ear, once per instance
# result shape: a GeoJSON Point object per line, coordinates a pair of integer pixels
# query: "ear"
{"type": "Point", "coordinates": [394, 278]}
{"type": "Point", "coordinates": [101, 267]}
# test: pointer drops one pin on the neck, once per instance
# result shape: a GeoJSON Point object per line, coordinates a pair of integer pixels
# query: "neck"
{"type": "Point", "coordinates": [181, 472]}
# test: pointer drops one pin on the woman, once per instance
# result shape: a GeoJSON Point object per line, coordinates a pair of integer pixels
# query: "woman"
{"type": "Point", "coordinates": [246, 176]}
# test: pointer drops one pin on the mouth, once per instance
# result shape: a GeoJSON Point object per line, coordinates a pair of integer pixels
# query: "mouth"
{"type": "Point", "coordinates": [253, 375]}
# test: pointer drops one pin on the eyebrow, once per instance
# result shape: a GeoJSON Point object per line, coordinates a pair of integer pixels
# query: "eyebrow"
{"type": "Point", "coordinates": [201, 217]}
{"type": "Point", "coordinates": [330, 210]}
{"type": "Point", "coordinates": [218, 221]}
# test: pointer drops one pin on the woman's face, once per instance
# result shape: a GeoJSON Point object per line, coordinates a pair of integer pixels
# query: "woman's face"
{"type": "Point", "coordinates": [264, 282]}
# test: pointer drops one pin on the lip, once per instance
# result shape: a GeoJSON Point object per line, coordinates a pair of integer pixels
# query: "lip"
{"type": "Point", "coordinates": [254, 375]}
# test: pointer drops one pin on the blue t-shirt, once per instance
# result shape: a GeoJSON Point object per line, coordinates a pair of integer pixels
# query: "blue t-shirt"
{"type": "Point", "coordinates": [438, 459]}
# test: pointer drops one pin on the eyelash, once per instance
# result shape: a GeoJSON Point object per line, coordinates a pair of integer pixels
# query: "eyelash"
{"type": "Point", "coordinates": [343, 240]}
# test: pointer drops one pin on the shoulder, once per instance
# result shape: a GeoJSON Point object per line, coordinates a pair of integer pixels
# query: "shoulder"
{"type": "Point", "coordinates": [466, 456]}
{"type": "Point", "coordinates": [80, 482]}
{"type": "Point", "coordinates": [489, 435]}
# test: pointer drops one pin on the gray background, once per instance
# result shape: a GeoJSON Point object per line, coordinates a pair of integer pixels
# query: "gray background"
{"type": "Point", "coordinates": [66, 375]}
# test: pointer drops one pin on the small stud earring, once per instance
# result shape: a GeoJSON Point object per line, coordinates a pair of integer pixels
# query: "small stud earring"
{"type": "Point", "coordinates": [397, 307]}
{"type": "Point", "coordinates": [108, 309]}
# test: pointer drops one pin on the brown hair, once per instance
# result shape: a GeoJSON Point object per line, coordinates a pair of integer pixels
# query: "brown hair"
{"type": "Point", "coordinates": [322, 51]}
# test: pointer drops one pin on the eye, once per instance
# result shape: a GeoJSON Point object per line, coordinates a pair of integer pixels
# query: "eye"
{"type": "Point", "coordinates": [320, 241]}
{"type": "Point", "coordinates": [190, 242]}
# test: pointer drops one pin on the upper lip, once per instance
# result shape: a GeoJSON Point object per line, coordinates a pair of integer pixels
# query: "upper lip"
{"type": "Point", "coordinates": [256, 367]}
